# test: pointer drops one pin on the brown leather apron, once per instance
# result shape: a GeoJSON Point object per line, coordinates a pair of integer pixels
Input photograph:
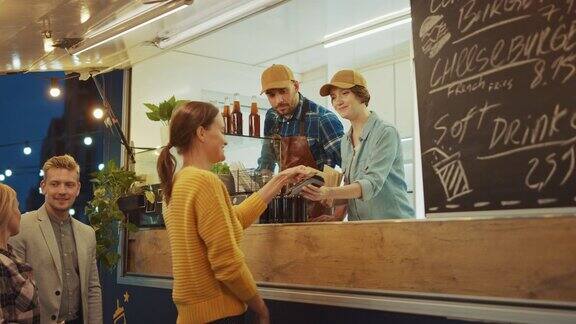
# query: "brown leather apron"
{"type": "Point", "coordinates": [295, 151]}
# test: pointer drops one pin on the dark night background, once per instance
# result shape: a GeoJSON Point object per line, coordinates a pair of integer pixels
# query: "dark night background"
{"type": "Point", "coordinates": [27, 111]}
{"type": "Point", "coordinates": [53, 126]}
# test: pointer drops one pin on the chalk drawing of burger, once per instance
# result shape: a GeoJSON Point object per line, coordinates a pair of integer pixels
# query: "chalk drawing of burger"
{"type": "Point", "coordinates": [434, 35]}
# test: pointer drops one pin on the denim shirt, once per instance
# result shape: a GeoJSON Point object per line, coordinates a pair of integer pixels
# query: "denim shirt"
{"type": "Point", "coordinates": [379, 169]}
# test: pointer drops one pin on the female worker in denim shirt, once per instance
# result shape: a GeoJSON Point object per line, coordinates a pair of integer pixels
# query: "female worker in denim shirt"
{"type": "Point", "coordinates": [374, 184]}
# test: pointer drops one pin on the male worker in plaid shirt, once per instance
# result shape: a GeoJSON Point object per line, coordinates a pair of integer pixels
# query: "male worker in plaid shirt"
{"type": "Point", "coordinates": [307, 133]}
{"type": "Point", "coordinates": [293, 115]}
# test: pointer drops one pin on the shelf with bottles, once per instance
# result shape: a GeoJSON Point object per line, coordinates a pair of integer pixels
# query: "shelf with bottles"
{"type": "Point", "coordinates": [235, 121]}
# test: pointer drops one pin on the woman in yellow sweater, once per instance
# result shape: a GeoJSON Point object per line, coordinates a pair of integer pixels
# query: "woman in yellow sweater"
{"type": "Point", "coordinates": [212, 282]}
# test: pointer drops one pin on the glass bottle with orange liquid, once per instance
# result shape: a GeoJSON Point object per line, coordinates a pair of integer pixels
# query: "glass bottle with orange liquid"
{"type": "Point", "coordinates": [236, 116]}
{"type": "Point", "coordinates": [226, 116]}
{"type": "Point", "coordinates": [254, 119]}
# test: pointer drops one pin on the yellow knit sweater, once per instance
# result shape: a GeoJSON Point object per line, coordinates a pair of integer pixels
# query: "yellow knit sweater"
{"type": "Point", "coordinates": [211, 279]}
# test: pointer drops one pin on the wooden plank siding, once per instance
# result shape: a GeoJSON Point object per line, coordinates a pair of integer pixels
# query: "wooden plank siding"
{"type": "Point", "coordinates": [526, 258]}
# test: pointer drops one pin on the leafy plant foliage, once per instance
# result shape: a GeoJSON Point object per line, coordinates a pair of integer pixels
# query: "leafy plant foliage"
{"type": "Point", "coordinates": [220, 168]}
{"type": "Point", "coordinates": [163, 111]}
{"type": "Point", "coordinates": [105, 217]}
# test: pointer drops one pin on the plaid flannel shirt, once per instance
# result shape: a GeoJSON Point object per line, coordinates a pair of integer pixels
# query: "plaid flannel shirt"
{"type": "Point", "coordinates": [324, 132]}
{"type": "Point", "coordinates": [18, 292]}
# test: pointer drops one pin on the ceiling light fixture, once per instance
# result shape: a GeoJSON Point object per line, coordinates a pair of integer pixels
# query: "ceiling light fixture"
{"type": "Point", "coordinates": [76, 60]}
{"type": "Point", "coordinates": [144, 18]}
{"type": "Point", "coordinates": [84, 13]}
{"type": "Point", "coordinates": [369, 27]}
{"type": "Point", "coordinates": [219, 21]}
{"type": "Point", "coordinates": [47, 41]}
{"type": "Point", "coordinates": [16, 61]}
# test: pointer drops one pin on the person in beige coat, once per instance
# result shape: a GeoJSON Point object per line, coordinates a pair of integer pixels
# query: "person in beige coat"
{"type": "Point", "coordinates": [61, 250]}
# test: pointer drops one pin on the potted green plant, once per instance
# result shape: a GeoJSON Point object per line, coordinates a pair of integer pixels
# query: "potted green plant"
{"type": "Point", "coordinates": [115, 190]}
{"type": "Point", "coordinates": [162, 113]}
{"type": "Point", "coordinates": [223, 171]}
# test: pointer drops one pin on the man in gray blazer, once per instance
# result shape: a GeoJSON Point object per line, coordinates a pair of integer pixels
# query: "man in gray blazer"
{"type": "Point", "coordinates": [61, 250]}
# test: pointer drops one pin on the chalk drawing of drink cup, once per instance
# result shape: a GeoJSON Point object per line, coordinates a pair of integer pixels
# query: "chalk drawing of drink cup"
{"type": "Point", "coordinates": [452, 174]}
{"type": "Point", "coordinates": [434, 35]}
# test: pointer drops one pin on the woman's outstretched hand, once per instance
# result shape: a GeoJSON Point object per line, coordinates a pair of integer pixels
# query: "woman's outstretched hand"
{"type": "Point", "coordinates": [296, 174]}
{"type": "Point", "coordinates": [288, 176]}
{"type": "Point", "coordinates": [314, 193]}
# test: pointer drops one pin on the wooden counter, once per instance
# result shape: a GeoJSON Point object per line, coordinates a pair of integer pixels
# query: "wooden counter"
{"type": "Point", "coordinates": [525, 258]}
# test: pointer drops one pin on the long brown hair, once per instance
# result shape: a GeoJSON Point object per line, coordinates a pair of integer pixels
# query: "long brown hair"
{"type": "Point", "coordinates": [183, 126]}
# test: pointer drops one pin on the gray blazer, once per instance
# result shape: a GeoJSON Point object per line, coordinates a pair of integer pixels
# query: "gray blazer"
{"type": "Point", "coordinates": [36, 244]}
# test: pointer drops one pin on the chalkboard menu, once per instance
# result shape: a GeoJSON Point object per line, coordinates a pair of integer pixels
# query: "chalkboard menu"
{"type": "Point", "coordinates": [496, 83]}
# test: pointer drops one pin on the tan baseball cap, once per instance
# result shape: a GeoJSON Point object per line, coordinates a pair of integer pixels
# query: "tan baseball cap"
{"type": "Point", "coordinates": [344, 79]}
{"type": "Point", "coordinates": [276, 77]}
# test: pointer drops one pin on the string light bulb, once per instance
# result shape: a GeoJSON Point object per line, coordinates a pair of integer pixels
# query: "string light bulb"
{"type": "Point", "coordinates": [27, 149]}
{"type": "Point", "coordinates": [98, 113]}
{"type": "Point", "coordinates": [54, 88]}
{"type": "Point", "coordinates": [87, 140]}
